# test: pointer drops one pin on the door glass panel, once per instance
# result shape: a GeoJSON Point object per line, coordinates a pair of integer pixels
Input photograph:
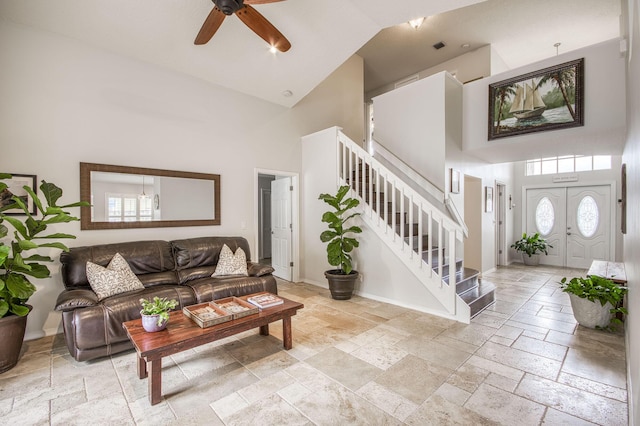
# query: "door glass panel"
{"type": "Point", "coordinates": [588, 216]}
{"type": "Point", "coordinates": [545, 216]}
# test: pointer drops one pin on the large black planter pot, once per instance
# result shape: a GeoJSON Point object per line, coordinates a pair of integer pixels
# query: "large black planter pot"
{"type": "Point", "coordinates": [341, 285]}
{"type": "Point", "coordinates": [12, 330]}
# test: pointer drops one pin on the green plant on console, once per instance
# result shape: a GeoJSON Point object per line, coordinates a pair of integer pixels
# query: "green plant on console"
{"type": "Point", "coordinates": [597, 289]}
{"type": "Point", "coordinates": [158, 306]}
{"type": "Point", "coordinates": [340, 245]}
{"type": "Point", "coordinates": [532, 244]}
{"type": "Point", "coordinates": [17, 259]}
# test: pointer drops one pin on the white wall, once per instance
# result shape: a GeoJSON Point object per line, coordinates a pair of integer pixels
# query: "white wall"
{"type": "Point", "coordinates": [478, 63]}
{"type": "Point", "coordinates": [632, 238]}
{"type": "Point", "coordinates": [604, 112]}
{"type": "Point", "coordinates": [64, 102]}
{"type": "Point", "coordinates": [410, 122]}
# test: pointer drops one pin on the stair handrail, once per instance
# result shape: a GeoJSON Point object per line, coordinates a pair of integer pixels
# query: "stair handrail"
{"type": "Point", "coordinates": [407, 170]}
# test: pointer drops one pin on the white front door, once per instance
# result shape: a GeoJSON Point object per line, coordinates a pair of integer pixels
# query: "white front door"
{"type": "Point", "coordinates": [588, 230]}
{"type": "Point", "coordinates": [546, 214]}
{"type": "Point", "coordinates": [281, 228]}
{"type": "Point", "coordinates": [576, 221]}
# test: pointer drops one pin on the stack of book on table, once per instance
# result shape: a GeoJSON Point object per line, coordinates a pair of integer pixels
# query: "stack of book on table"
{"type": "Point", "coordinates": [265, 300]}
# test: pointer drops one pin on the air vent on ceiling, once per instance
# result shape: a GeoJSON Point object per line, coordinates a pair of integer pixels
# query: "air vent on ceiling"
{"type": "Point", "coordinates": [439, 45]}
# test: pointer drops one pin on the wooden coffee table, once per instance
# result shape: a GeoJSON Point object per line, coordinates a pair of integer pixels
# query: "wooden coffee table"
{"type": "Point", "coordinates": [182, 334]}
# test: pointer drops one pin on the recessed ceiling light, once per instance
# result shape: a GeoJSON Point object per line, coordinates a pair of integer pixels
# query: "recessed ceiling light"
{"type": "Point", "coordinates": [287, 93]}
{"type": "Point", "coordinates": [416, 23]}
{"type": "Point", "coordinates": [273, 50]}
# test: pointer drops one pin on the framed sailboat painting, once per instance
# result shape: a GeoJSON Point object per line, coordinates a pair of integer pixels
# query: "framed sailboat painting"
{"type": "Point", "coordinates": [549, 99]}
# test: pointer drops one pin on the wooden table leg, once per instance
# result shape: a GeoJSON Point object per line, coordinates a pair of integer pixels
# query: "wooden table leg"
{"type": "Point", "coordinates": [264, 330]}
{"type": "Point", "coordinates": [287, 339]}
{"type": "Point", "coordinates": [155, 380]}
{"type": "Point", "coordinates": [142, 368]}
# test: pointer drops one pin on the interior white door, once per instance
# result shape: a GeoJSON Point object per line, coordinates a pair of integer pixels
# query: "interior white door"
{"type": "Point", "coordinates": [546, 214]}
{"type": "Point", "coordinates": [281, 228]}
{"type": "Point", "coordinates": [588, 225]}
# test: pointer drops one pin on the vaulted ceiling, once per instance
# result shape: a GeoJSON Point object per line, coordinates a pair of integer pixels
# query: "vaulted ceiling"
{"type": "Point", "coordinates": [323, 34]}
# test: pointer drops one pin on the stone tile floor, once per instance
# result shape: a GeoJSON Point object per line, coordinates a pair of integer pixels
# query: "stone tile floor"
{"type": "Point", "coordinates": [522, 361]}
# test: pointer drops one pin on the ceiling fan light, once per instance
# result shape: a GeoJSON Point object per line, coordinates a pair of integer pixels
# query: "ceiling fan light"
{"type": "Point", "coordinates": [273, 49]}
{"type": "Point", "coordinates": [416, 23]}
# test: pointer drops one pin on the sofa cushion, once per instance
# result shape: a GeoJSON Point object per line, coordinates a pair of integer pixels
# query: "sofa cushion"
{"type": "Point", "coordinates": [212, 288]}
{"type": "Point", "coordinates": [231, 263]}
{"type": "Point", "coordinates": [197, 257]}
{"type": "Point", "coordinates": [116, 278]}
{"type": "Point", "coordinates": [151, 261]}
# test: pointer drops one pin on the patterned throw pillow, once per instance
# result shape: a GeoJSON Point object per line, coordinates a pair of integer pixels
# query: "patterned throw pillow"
{"type": "Point", "coordinates": [231, 264]}
{"type": "Point", "coordinates": [116, 278]}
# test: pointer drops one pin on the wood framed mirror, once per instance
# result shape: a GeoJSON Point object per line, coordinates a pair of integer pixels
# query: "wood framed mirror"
{"type": "Point", "coordinates": [124, 197]}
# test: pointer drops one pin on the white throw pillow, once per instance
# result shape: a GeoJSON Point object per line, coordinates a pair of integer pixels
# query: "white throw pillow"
{"type": "Point", "coordinates": [231, 264]}
{"type": "Point", "coordinates": [116, 278]}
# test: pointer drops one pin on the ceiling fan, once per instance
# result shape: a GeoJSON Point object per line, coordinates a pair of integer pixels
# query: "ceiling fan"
{"type": "Point", "coordinates": [247, 14]}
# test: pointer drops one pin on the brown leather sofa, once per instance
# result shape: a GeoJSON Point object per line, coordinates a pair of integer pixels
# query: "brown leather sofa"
{"type": "Point", "coordinates": [179, 269]}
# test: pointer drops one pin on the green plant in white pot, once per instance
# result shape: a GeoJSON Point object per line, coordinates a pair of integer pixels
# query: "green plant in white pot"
{"type": "Point", "coordinates": [155, 313]}
{"type": "Point", "coordinates": [595, 301]}
{"type": "Point", "coordinates": [531, 246]}
{"type": "Point", "coordinates": [341, 244]}
{"type": "Point", "coordinates": [20, 260]}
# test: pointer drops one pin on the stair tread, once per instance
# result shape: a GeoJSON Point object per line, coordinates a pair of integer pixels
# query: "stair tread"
{"type": "Point", "coordinates": [482, 289]}
{"type": "Point", "coordinates": [464, 274]}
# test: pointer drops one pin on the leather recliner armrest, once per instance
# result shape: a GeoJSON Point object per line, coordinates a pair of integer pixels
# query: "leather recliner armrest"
{"type": "Point", "coordinates": [69, 300]}
{"type": "Point", "coordinates": [258, 270]}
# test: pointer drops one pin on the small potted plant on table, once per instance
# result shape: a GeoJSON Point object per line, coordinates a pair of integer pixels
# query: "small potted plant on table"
{"type": "Point", "coordinates": [595, 300]}
{"type": "Point", "coordinates": [155, 313]}
{"type": "Point", "coordinates": [342, 280]}
{"type": "Point", "coordinates": [531, 246]}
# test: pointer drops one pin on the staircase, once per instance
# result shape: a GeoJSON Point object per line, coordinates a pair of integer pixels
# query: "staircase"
{"type": "Point", "coordinates": [423, 236]}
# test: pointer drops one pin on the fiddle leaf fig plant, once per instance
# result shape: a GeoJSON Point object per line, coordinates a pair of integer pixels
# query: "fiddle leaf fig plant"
{"type": "Point", "coordinates": [19, 258]}
{"type": "Point", "coordinates": [340, 244]}
{"type": "Point", "coordinates": [158, 306]}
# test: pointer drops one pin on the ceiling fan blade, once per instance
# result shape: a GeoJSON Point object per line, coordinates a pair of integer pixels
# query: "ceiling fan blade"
{"type": "Point", "coordinates": [259, 25]}
{"type": "Point", "coordinates": [260, 1]}
{"type": "Point", "coordinates": [210, 26]}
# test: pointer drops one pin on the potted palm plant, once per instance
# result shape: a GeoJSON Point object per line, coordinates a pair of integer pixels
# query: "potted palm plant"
{"type": "Point", "coordinates": [155, 313]}
{"type": "Point", "coordinates": [531, 246]}
{"type": "Point", "coordinates": [340, 245]}
{"type": "Point", "coordinates": [595, 300]}
{"type": "Point", "coordinates": [19, 259]}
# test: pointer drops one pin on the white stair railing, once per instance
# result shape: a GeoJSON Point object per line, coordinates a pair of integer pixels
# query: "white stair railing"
{"type": "Point", "coordinates": [407, 223]}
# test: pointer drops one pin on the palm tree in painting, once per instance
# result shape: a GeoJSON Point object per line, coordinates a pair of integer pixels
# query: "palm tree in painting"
{"type": "Point", "coordinates": [502, 94]}
{"type": "Point", "coordinates": [565, 79]}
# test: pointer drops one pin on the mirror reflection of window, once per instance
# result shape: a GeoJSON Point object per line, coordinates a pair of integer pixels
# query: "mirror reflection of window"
{"type": "Point", "coordinates": [128, 208]}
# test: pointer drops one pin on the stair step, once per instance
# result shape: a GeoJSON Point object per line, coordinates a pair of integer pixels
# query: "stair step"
{"type": "Point", "coordinates": [478, 298]}
{"type": "Point", "coordinates": [445, 266]}
{"type": "Point", "coordinates": [414, 246]}
{"type": "Point", "coordinates": [398, 218]}
{"type": "Point", "coordinates": [466, 279]}
{"type": "Point", "coordinates": [407, 227]}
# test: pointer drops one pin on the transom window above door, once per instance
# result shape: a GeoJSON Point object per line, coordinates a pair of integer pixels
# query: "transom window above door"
{"type": "Point", "coordinates": [567, 164]}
